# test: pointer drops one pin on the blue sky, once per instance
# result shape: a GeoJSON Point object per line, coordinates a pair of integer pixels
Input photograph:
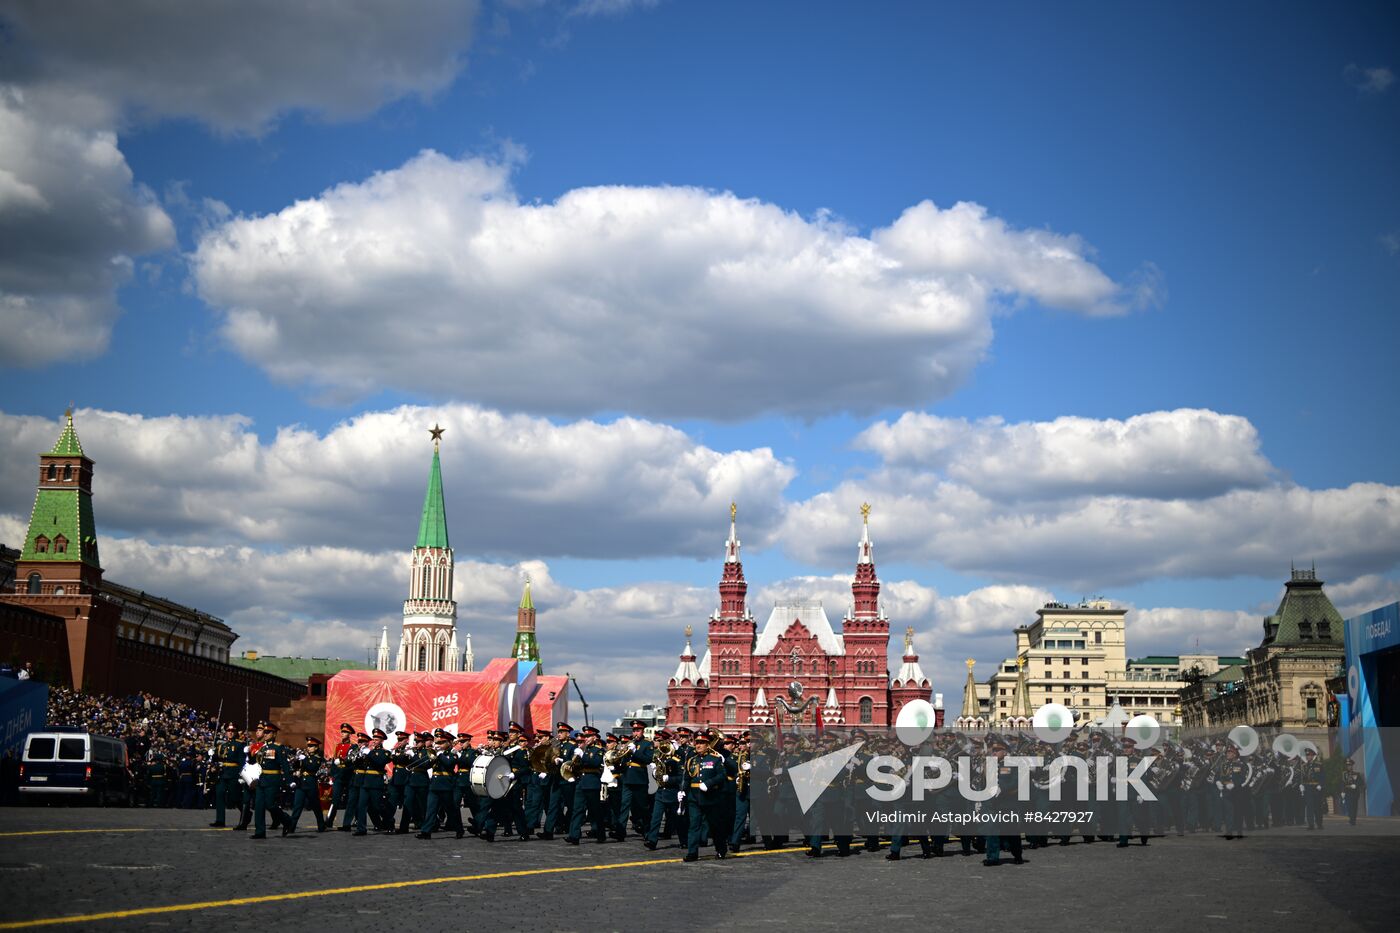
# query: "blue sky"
{"type": "Point", "coordinates": [1221, 179]}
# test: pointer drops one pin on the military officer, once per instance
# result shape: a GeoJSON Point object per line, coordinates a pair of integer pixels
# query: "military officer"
{"type": "Point", "coordinates": [670, 780]}
{"type": "Point", "coordinates": [1311, 783]}
{"type": "Point", "coordinates": [272, 757]}
{"type": "Point", "coordinates": [1353, 786]}
{"type": "Point", "coordinates": [396, 786]}
{"type": "Point", "coordinates": [354, 779]}
{"type": "Point", "coordinates": [339, 771]}
{"type": "Point", "coordinates": [1233, 781]}
{"type": "Point", "coordinates": [371, 800]}
{"type": "Point", "coordinates": [157, 772]}
{"type": "Point", "coordinates": [228, 760]}
{"type": "Point", "coordinates": [705, 777]}
{"type": "Point", "coordinates": [306, 767]}
{"type": "Point", "coordinates": [743, 759]}
{"type": "Point", "coordinates": [561, 794]}
{"type": "Point", "coordinates": [441, 786]}
{"type": "Point", "coordinates": [588, 766]}
{"type": "Point", "coordinates": [466, 797]}
{"type": "Point", "coordinates": [636, 802]}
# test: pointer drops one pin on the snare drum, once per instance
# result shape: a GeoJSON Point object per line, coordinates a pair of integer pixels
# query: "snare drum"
{"type": "Point", "coordinates": [491, 776]}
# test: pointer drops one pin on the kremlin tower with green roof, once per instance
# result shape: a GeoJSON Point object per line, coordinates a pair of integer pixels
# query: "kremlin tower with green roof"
{"type": "Point", "coordinates": [429, 638]}
{"type": "Point", "coordinates": [526, 647]}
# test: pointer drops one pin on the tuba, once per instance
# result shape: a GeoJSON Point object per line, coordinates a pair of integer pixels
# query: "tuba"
{"type": "Point", "coordinates": [661, 758]}
{"type": "Point", "coordinates": [613, 765]}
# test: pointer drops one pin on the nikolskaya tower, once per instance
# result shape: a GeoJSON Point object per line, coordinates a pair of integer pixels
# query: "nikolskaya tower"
{"type": "Point", "coordinates": [429, 638]}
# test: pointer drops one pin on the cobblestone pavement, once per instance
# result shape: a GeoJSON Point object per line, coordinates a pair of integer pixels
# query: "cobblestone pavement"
{"type": "Point", "coordinates": [60, 862]}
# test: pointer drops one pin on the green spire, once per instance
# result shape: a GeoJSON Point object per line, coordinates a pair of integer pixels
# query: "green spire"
{"type": "Point", "coordinates": [525, 601]}
{"type": "Point", "coordinates": [61, 527]}
{"type": "Point", "coordinates": [68, 444]}
{"type": "Point", "coordinates": [432, 528]}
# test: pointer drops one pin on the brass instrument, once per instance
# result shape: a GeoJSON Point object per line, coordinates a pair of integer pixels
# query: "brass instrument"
{"type": "Point", "coordinates": [663, 753]}
{"type": "Point", "coordinates": [566, 770]}
{"type": "Point", "coordinates": [613, 764]}
{"type": "Point", "coordinates": [542, 758]}
{"type": "Point", "coordinates": [741, 758]}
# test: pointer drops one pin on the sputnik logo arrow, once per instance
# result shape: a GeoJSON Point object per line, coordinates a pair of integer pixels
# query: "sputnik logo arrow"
{"type": "Point", "coordinates": [810, 778]}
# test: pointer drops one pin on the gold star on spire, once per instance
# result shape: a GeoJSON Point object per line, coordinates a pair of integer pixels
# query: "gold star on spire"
{"type": "Point", "coordinates": [733, 510]}
{"type": "Point", "coordinates": [436, 433]}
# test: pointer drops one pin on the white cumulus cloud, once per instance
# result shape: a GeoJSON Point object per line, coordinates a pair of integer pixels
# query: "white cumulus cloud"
{"type": "Point", "coordinates": [662, 301]}
{"type": "Point", "coordinates": [514, 484]}
{"type": "Point", "coordinates": [71, 220]}
{"type": "Point", "coordinates": [1186, 453]}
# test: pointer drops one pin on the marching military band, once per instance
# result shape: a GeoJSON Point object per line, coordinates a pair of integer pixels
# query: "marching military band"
{"type": "Point", "coordinates": [695, 786]}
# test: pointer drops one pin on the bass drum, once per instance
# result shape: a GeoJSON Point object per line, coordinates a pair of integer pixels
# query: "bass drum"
{"type": "Point", "coordinates": [491, 776]}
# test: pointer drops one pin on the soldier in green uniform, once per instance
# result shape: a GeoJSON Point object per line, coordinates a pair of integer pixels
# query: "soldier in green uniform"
{"type": "Point", "coordinates": [1311, 783]}
{"type": "Point", "coordinates": [1232, 781]}
{"type": "Point", "coordinates": [371, 769]}
{"type": "Point", "coordinates": [561, 792]}
{"type": "Point", "coordinates": [466, 797]}
{"type": "Point", "coordinates": [588, 766]}
{"type": "Point", "coordinates": [228, 762]}
{"type": "Point", "coordinates": [354, 779]}
{"type": "Point", "coordinates": [1353, 786]}
{"type": "Point", "coordinates": [272, 757]}
{"type": "Point", "coordinates": [706, 774]}
{"type": "Point", "coordinates": [670, 780]}
{"type": "Point", "coordinates": [306, 767]}
{"type": "Point", "coordinates": [396, 786]}
{"type": "Point", "coordinates": [441, 785]}
{"type": "Point", "coordinates": [158, 773]}
{"type": "Point", "coordinates": [636, 803]}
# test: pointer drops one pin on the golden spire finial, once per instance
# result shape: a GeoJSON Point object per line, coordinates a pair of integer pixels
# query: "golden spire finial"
{"type": "Point", "coordinates": [688, 631]}
{"type": "Point", "coordinates": [1021, 662]}
{"type": "Point", "coordinates": [436, 433]}
{"type": "Point", "coordinates": [733, 510]}
{"type": "Point", "coordinates": [970, 665]}
{"type": "Point", "coordinates": [909, 639]}
{"type": "Point", "coordinates": [865, 512]}
{"type": "Point", "coordinates": [68, 413]}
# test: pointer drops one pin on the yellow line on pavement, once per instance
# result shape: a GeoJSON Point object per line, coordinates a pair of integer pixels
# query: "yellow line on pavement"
{"type": "Point", "coordinates": [65, 832]}
{"type": "Point", "coordinates": [357, 889]}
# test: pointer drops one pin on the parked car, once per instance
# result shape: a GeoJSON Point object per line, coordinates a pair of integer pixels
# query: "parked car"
{"type": "Point", "coordinates": [74, 765]}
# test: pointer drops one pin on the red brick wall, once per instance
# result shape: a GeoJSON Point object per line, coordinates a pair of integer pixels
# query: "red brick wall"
{"type": "Point", "coordinates": [28, 635]}
{"type": "Point", "coordinates": [247, 696]}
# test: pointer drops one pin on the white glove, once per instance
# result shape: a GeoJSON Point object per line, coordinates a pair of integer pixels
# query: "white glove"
{"type": "Point", "coordinates": [1220, 785]}
{"type": "Point", "coordinates": [631, 746]}
{"type": "Point", "coordinates": [578, 753]}
{"type": "Point", "coordinates": [558, 761]}
{"type": "Point", "coordinates": [747, 766]}
{"type": "Point", "coordinates": [544, 777]}
{"type": "Point", "coordinates": [777, 771]}
{"type": "Point", "coordinates": [703, 786]}
{"type": "Point", "coordinates": [680, 795]}
{"type": "Point", "coordinates": [571, 780]}
{"type": "Point", "coordinates": [1229, 785]}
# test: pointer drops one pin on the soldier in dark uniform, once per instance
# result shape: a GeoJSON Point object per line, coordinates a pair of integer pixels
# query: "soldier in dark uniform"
{"type": "Point", "coordinates": [1233, 783]}
{"type": "Point", "coordinates": [371, 799]}
{"type": "Point", "coordinates": [1353, 786]}
{"type": "Point", "coordinates": [272, 757]}
{"type": "Point", "coordinates": [561, 792]}
{"type": "Point", "coordinates": [228, 760]}
{"type": "Point", "coordinates": [354, 779]}
{"type": "Point", "coordinates": [706, 774]}
{"type": "Point", "coordinates": [537, 790]}
{"type": "Point", "coordinates": [670, 777]}
{"type": "Point", "coordinates": [415, 762]}
{"type": "Point", "coordinates": [1003, 801]}
{"type": "Point", "coordinates": [441, 786]}
{"type": "Point", "coordinates": [306, 767]}
{"type": "Point", "coordinates": [157, 774]}
{"type": "Point", "coordinates": [588, 766]}
{"type": "Point", "coordinates": [466, 797]}
{"type": "Point", "coordinates": [185, 768]}
{"type": "Point", "coordinates": [636, 803]}
{"type": "Point", "coordinates": [396, 786]}
{"type": "Point", "coordinates": [1129, 809]}
{"type": "Point", "coordinates": [1311, 782]}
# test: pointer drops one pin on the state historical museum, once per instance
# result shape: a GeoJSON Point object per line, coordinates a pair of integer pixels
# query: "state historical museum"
{"type": "Point", "coordinates": [797, 671]}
